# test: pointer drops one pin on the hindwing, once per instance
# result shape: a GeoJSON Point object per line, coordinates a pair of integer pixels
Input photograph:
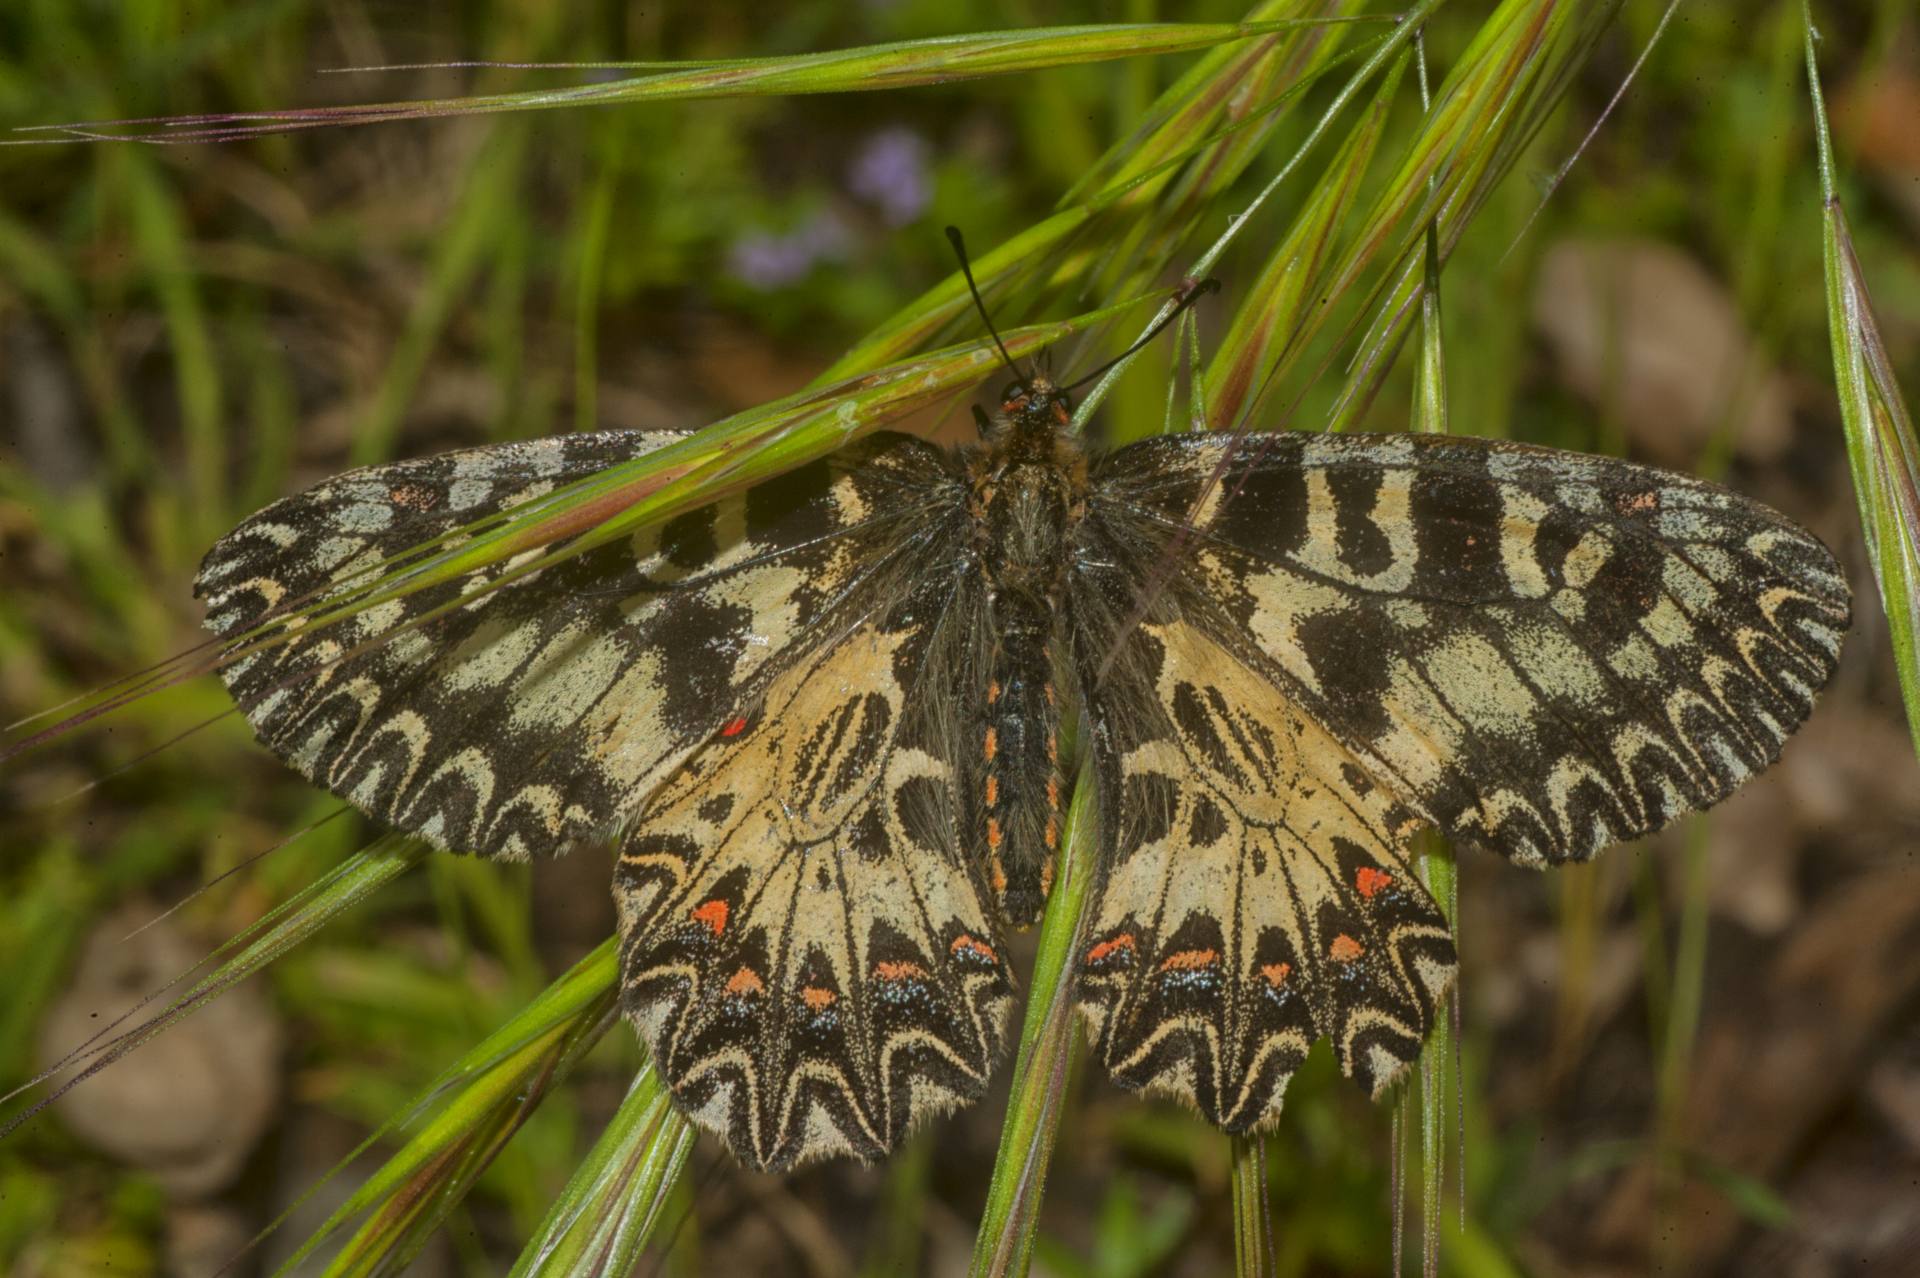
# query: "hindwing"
{"type": "Point", "coordinates": [534, 715]}
{"type": "Point", "coordinates": [1542, 652]}
{"type": "Point", "coordinates": [1296, 649]}
{"type": "Point", "coordinates": [807, 946]}
{"type": "Point", "coordinates": [1258, 893]}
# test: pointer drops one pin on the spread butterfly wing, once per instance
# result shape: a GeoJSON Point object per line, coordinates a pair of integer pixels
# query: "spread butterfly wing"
{"type": "Point", "coordinates": [537, 713]}
{"type": "Point", "coordinates": [1540, 651]}
{"type": "Point", "coordinates": [1259, 894]}
{"type": "Point", "coordinates": [804, 945]}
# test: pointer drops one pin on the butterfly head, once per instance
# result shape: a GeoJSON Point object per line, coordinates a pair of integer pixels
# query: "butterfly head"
{"type": "Point", "coordinates": [1036, 402]}
{"type": "Point", "coordinates": [1036, 405]}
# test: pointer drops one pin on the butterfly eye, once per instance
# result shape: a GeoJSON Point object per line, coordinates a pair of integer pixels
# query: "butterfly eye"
{"type": "Point", "coordinates": [1015, 393]}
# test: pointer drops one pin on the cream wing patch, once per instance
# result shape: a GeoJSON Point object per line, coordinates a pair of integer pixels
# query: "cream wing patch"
{"type": "Point", "coordinates": [1544, 652]}
{"type": "Point", "coordinates": [1260, 895]}
{"type": "Point", "coordinates": [806, 947]}
{"type": "Point", "coordinates": [539, 712]}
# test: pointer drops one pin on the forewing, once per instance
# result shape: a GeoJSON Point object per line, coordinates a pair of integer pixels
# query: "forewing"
{"type": "Point", "coordinates": [1541, 651]}
{"type": "Point", "coordinates": [804, 946]}
{"type": "Point", "coordinates": [1258, 893]}
{"type": "Point", "coordinates": [536, 714]}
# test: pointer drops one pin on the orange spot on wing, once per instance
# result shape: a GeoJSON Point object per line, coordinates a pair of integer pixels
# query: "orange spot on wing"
{"type": "Point", "coordinates": [999, 875]}
{"type": "Point", "coordinates": [713, 914]}
{"type": "Point", "coordinates": [1638, 503]}
{"type": "Point", "coordinates": [993, 791]}
{"type": "Point", "coordinates": [1053, 792]}
{"type": "Point", "coordinates": [1124, 941]}
{"type": "Point", "coordinates": [1053, 831]}
{"type": "Point", "coordinates": [1048, 689]}
{"type": "Point", "coordinates": [993, 744]}
{"type": "Point", "coordinates": [413, 496]}
{"type": "Point", "coordinates": [735, 728]}
{"type": "Point", "coordinates": [993, 691]}
{"type": "Point", "coordinates": [899, 971]}
{"type": "Point", "coordinates": [973, 945]}
{"type": "Point", "coordinates": [993, 833]}
{"type": "Point", "coordinates": [1046, 876]}
{"type": "Point", "coordinates": [1189, 960]}
{"type": "Point", "coordinates": [1370, 880]}
{"type": "Point", "coordinates": [1053, 748]}
{"type": "Point", "coordinates": [745, 981]}
{"type": "Point", "coordinates": [817, 999]}
{"type": "Point", "coordinates": [1276, 973]}
{"type": "Point", "coordinates": [1344, 949]}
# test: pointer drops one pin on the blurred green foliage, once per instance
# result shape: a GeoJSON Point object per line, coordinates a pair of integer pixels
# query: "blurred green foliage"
{"type": "Point", "coordinates": [186, 333]}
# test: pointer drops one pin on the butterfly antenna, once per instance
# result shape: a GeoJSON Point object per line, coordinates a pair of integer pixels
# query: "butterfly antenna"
{"type": "Point", "coordinates": [960, 250]}
{"type": "Point", "coordinates": [1193, 294]}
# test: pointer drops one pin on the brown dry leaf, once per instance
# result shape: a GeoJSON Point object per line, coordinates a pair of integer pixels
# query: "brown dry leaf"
{"type": "Point", "coordinates": [1848, 775]}
{"type": "Point", "coordinates": [1851, 1187]}
{"type": "Point", "coordinates": [189, 1106]}
{"type": "Point", "coordinates": [1753, 855]}
{"type": "Point", "coordinates": [1642, 330]}
{"type": "Point", "coordinates": [1849, 768]}
{"type": "Point", "coordinates": [1880, 120]}
{"type": "Point", "coordinates": [1894, 1089]}
{"type": "Point", "coordinates": [1768, 1073]}
{"type": "Point", "coordinates": [203, 1238]}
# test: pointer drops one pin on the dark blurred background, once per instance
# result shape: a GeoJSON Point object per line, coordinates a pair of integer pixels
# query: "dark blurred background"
{"type": "Point", "coordinates": [1699, 1054]}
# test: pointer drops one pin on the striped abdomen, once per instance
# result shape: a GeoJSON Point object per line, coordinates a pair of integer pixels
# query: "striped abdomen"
{"type": "Point", "coordinates": [1020, 747]}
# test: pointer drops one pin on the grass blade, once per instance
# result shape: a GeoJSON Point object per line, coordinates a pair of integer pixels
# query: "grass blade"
{"type": "Point", "coordinates": [1440, 873]}
{"type": "Point", "coordinates": [1882, 450]}
{"type": "Point", "coordinates": [731, 454]}
{"type": "Point", "coordinates": [1003, 1246]}
{"type": "Point", "coordinates": [1253, 1255]}
{"type": "Point", "coordinates": [1679, 1037]}
{"type": "Point", "coordinates": [1520, 63]}
{"type": "Point", "coordinates": [617, 1198]}
{"type": "Point", "coordinates": [483, 1099]}
{"type": "Point", "coordinates": [1379, 56]}
{"type": "Point", "coordinates": [1436, 865]}
{"type": "Point", "coordinates": [924, 318]}
{"type": "Point", "coordinates": [900, 65]}
{"type": "Point", "coordinates": [159, 231]}
{"type": "Point", "coordinates": [1224, 80]}
{"type": "Point", "coordinates": [1286, 290]}
{"type": "Point", "coordinates": [1115, 204]}
{"type": "Point", "coordinates": [897, 1240]}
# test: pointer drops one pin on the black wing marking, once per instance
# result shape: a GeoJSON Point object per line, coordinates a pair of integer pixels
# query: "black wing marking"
{"type": "Point", "coordinates": [537, 714]}
{"type": "Point", "coordinates": [1542, 651]}
{"type": "Point", "coordinates": [807, 946]}
{"type": "Point", "coordinates": [1259, 893]}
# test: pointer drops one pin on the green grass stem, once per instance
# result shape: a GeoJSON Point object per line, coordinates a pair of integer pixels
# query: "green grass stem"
{"type": "Point", "coordinates": [1003, 1247]}
{"type": "Point", "coordinates": [1882, 449]}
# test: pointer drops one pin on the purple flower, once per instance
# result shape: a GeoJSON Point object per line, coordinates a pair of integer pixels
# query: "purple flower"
{"type": "Point", "coordinates": [890, 170]}
{"type": "Point", "coordinates": [765, 261]}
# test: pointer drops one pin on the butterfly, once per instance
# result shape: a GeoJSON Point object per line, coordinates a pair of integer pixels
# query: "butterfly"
{"type": "Point", "coordinates": [823, 719]}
